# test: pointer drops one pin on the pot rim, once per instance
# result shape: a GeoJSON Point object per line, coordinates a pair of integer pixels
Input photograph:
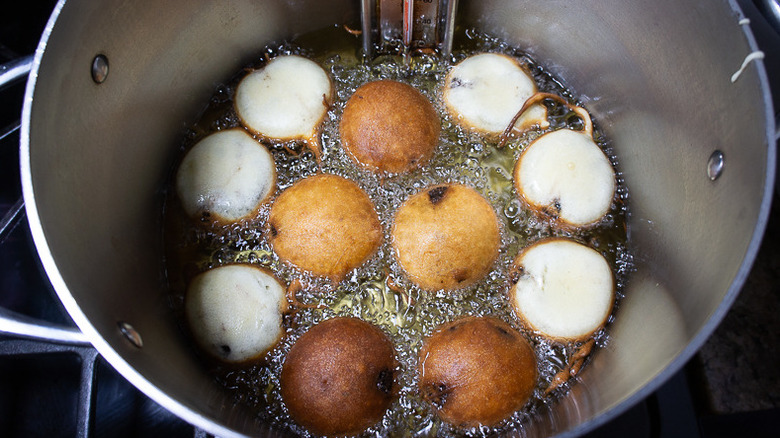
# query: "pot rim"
{"type": "Point", "coordinates": [61, 288]}
{"type": "Point", "coordinates": [197, 419]}
{"type": "Point", "coordinates": [744, 270]}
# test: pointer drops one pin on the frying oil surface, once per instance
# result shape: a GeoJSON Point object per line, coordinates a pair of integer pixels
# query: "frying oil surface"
{"type": "Point", "coordinates": [378, 291]}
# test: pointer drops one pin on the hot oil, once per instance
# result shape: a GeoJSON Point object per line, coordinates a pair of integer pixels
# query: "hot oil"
{"type": "Point", "coordinates": [378, 292]}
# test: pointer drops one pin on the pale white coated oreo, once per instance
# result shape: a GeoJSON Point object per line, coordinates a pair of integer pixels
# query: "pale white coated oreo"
{"type": "Point", "coordinates": [225, 177]}
{"type": "Point", "coordinates": [285, 100]}
{"type": "Point", "coordinates": [566, 175]}
{"type": "Point", "coordinates": [235, 312]}
{"type": "Point", "coordinates": [564, 290]}
{"type": "Point", "coordinates": [485, 91]}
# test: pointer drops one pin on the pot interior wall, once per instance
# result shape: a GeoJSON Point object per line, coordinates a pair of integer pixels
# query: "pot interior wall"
{"type": "Point", "coordinates": [656, 76]}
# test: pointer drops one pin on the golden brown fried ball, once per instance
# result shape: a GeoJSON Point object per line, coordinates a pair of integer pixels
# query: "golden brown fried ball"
{"type": "Point", "coordinates": [477, 371]}
{"type": "Point", "coordinates": [446, 237]}
{"type": "Point", "coordinates": [389, 126]}
{"type": "Point", "coordinates": [324, 224]}
{"type": "Point", "coordinates": [339, 377]}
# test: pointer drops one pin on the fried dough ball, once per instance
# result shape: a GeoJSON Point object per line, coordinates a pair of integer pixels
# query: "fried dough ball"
{"type": "Point", "coordinates": [339, 377]}
{"type": "Point", "coordinates": [476, 371]}
{"type": "Point", "coordinates": [446, 237]}
{"type": "Point", "coordinates": [225, 177]}
{"type": "Point", "coordinates": [235, 312]}
{"type": "Point", "coordinates": [324, 224]}
{"type": "Point", "coordinates": [564, 174]}
{"type": "Point", "coordinates": [485, 91]}
{"type": "Point", "coordinates": [286, 100]}
{"type": "Point", "coordinates": [389, 126]}
{"type": "Point", "coordinates": [564, 290]}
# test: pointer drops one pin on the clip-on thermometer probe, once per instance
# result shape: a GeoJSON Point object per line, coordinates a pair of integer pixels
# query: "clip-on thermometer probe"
{"type": "Point", "coordinates": [418, 24]}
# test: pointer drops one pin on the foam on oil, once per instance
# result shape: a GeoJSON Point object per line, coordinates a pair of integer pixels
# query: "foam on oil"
{"type": "Point", "coordinates": [378, 292]}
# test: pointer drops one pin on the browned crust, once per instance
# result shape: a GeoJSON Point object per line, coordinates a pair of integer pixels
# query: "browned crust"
{"type": "Point", "coordinates": [389, 126]}
{"type": "Point", "coordinates": [477, 371]}
{"type": "Point", "coordinates": [324, 224]}
{"type": "Point", "coordinates": [339, 377]}
{"type": "Point", "coordinates": [446, 237]}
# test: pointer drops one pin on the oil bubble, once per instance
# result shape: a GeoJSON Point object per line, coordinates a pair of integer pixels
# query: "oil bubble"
{"type": "Point", "coordinates": [379, 291]}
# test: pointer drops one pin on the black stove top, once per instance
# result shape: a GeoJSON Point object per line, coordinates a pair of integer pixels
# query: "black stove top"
{"type": "Point", "coordinates": [64, 388]}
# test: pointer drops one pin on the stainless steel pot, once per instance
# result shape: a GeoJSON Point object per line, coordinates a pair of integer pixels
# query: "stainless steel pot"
{"type": "Point", "coordinates": [657, 75]}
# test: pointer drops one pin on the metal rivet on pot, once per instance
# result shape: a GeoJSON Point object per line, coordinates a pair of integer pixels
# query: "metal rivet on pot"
{"type": "Point", "coordinates": [99, 69]}
{"type": "Point", "coordinates": [715, 165]}
{"type": "Point", "coordinates": [131, 334]}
